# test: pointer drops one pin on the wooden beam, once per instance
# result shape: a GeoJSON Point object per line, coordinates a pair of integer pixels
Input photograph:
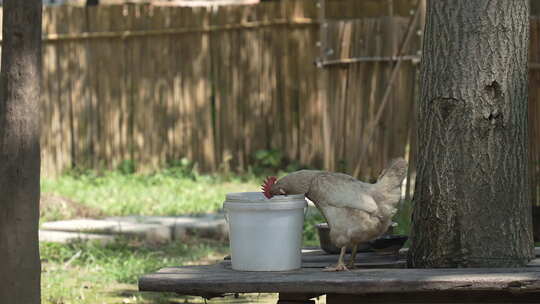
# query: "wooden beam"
{"type": "Point", "coordinates": [441, 297]}
{"type": "Point", "coordinates": [346, 61]}
{"type": "Point", "coordinates": [294, 22]}
{"type": "Point", "coordinates": [220, 279]}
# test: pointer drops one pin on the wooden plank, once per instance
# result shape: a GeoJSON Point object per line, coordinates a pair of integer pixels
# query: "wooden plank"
{"type": "Point", "coordinates": [79, 83]}
{"type": "Point", "coordinates": [268, 86]}
{"type": "Point", "coordinates": [146, 124]}
{"type": "Point", "coordinates": [221, 45]}
{"type": "Point", "coordinates": [93, 121]}
{"type": "Point", "coordinates": [204, 98]}
{"type": "Point", "coordinates": [180, 132]}
{"type": "Point", "coordinates": [157, 81]}
{"type": "Point", "coordinates": [236, 101]}
{"type": "Point", "coordinates": [440, 297]}
{"type": "Point", "coordinates": [112, 108]}
{"type": "Point", "coordinates": [310, 124]}
{"type": "Point", "coordinates": [184, 128]}
{"type": "Point", "coordinates": [167, 87]}
{"type": "Point", "coordinates": [188, 126]}
{"type": "Point", "coordinates": [56, 97]}
{"type": "Point", "coordinates": [48, 105]}
{"type": "Point", "coordinates": [220, 279]}
{"type": "Point", "coordinates": [134, 53]}
{"type": "Point", "coordinates": [290, 100]}
{"type": "Point", "coordinates": [127, 85]}
{"type": "Point", "coordinates": [63, 151]}
{"type": "Point", "coordinates": [78, 65]}
{"type": "Point", "coordinates": [247, 100]}
{"type": "Point", "coordinates": [278, 132]}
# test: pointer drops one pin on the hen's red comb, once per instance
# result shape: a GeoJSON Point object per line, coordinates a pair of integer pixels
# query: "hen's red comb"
{"type": "Point", "coordinates": [267, 185]}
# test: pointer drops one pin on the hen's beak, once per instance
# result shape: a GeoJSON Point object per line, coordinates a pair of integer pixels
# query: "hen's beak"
{"type": "Point", "coordinates": [282, 192]}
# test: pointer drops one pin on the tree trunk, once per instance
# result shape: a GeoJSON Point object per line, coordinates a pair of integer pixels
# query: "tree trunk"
{"type": "Point", "coordinates": [19, 152]}
{"type": "Point", "coordinates": [471, 201]}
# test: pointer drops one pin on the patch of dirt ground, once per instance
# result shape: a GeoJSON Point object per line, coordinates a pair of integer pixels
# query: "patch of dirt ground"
{"type": "Point", "coordinates": [55, 207]}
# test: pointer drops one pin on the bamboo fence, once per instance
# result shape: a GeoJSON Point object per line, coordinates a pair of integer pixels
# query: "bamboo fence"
{"type": "Point", "coordinates": [151, 84]}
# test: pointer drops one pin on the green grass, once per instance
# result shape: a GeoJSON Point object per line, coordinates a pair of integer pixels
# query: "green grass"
{"type": "Point", "coordinates": [163, 193]}
{"type": "Point", "coordinates": [403, 218]}
{"type": "Point", "coordinates": [310, 232]}
{"type": "Point", "coordinates": [89, 273]}
{"type": "Point", "coordinates": [86, 273]}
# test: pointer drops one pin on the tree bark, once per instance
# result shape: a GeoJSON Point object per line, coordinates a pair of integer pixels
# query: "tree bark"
{"type": "Point", "coordinates": [471, 201]}
{"type": "Point", "coordinates": [20, 267]}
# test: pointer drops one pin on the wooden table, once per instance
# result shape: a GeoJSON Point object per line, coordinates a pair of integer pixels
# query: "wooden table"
{"type": "Point", "coordinates": [378, 279]}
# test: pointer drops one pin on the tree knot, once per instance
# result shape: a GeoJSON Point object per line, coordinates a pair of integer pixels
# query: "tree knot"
{"type": "Point", "coordinates": [493, 116]}
{"type": "Point", "coordinates": [493, 90]}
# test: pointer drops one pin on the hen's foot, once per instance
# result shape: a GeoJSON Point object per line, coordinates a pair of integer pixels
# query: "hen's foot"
{"type": "Point", "coordinates": [338, 267]}
{"type": "Point", "coordinates": [351, 266]}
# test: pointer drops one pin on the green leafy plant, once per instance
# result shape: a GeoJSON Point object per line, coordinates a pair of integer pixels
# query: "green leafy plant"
{"type": "Point", "coordinates": [181, 168]}
{"type": "Point", "coordinates": [271, 159]}
{"type": "Point", "coordinates": [127, 167]}
{"type": "Point", "coordinates": [311, 237]}
{"type": "Point", "coordinates": [273, 162]}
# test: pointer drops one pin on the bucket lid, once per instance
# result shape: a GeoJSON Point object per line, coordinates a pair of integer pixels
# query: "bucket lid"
{"type": "Point", "coordinates": [257, 201]}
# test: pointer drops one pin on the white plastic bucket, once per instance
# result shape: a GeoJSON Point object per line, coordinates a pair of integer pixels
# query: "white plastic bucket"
{"type": "Point", "coordinates": [265, 234]}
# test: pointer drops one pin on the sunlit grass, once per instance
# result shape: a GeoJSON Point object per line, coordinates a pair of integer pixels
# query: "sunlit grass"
{"type": "Point", "coordinates": [90, 273]}
{"type": "Point", "coordinates": [149, 194]}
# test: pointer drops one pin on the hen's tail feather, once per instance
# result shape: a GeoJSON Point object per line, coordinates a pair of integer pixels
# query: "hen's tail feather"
{"type": "Point", "coordinates": [393, 175]}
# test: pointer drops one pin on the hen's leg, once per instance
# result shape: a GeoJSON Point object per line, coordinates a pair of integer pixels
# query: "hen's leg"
{"type": "Point", "coordinates": [351, 263]}
{"type": "Point", "coordinates": [340, 265]}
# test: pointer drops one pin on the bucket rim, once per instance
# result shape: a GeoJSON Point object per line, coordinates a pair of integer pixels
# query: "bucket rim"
{"type": "Point", "coordinates": [258, 197]}
{"type": "Point", "coordinates": [269, 206]}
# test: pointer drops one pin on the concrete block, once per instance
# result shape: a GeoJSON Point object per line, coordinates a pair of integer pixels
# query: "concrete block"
{"type": "Point", "coordinates": [150, 232]}
{"type": "Point", "coordinates": [151, 228]}
{"type": "Point", "coordinates": [153, 232]}
{"type": "Point", "coordinates": [210, 225]}
{"type": "Point", "coordinates": [81, 225]}
{"type": "Point", "coordinates": [69, 237]}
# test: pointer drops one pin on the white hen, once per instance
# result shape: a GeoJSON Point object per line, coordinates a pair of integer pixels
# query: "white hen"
{"type": "Point", "coordinates": [356, 212]}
